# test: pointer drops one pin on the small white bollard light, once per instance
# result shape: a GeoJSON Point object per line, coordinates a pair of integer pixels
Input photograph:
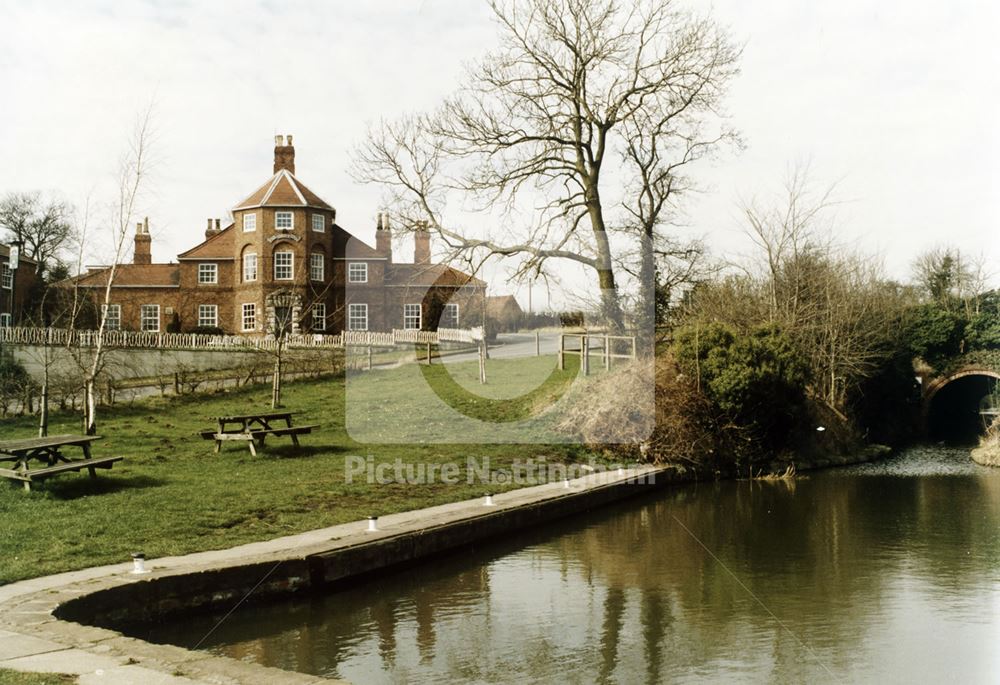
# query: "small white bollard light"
{"type": "Point", "coordinates": [139, 563]}
{"type": "Point", "coordinates": [621, 470]}
{"type": "Point", "coordinates": [566, 483]}
{"type": "Point", "coordinates": [372, 527]}
{"type": "Point", "coordinates": [489, 500]}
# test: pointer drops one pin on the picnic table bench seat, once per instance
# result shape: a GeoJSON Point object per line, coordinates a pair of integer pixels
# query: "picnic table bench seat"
{"type": "Point", "coordinates": [42, 473]}
{"type": "Point", "coordinates": [50, 451]}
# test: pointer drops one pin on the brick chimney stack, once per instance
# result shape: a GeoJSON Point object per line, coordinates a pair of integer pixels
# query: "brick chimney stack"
{"type": "Point", "coordinates": [422, 244]}
{"type": "Point", "coordinates": [143, 244]}
{"type": "Point", "coordinates": [284, 154]}
{"type": "Point", "coordinates": [383, 237]}
{"type": "Point", "coordinates": [211, 230]}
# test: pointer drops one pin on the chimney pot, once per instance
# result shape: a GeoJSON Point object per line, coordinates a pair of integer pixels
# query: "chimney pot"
{"type": "Point", "coordinates": [383, 237]}
{"type": "Point", "coordinates": [279, 141]}
{"type": "Point", "coordinates": [218, 225]}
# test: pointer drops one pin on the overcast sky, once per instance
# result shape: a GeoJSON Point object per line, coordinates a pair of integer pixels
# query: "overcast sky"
{"type": "Point", "coordinates": [898, 101]}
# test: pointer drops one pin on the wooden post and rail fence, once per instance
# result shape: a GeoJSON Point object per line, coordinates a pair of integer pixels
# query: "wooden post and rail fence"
{"type": "Point", "coordinates": [608, 348]}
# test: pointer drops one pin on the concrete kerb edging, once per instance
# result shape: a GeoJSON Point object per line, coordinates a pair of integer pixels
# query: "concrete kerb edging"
{"type": "Point", "coordinates": [38, 631]}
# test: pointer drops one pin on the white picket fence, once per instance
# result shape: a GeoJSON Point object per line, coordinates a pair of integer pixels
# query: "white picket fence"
{"type": "Point", "coordinates": [62, 337]}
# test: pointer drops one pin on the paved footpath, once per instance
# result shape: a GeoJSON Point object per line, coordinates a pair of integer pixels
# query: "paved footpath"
{"type": "Point", "coordinates": [32, 639]}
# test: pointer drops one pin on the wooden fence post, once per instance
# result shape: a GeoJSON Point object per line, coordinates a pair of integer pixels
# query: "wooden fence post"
{"type": "Point", "coordinates": [585, 354]}
{"type": "Point", "coordinates": [482, 363]}
{"type": "Point", "coordinates": [562, 356]}
{"type": "Point", "coordinates": [538, 348]}
{"type": "Point", "coordinates": [607, 352]}
{"type": "Point", "coordinates": [369, 357]}
{"type": "Point", "coordinates": [428, 353]}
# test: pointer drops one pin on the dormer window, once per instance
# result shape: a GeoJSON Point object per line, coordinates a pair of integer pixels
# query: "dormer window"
{"type": "Point", "coordinates": [284, 221]}
{"type": "Point", "coordinates": [208, 274]}
{"type": "Point", "coordinates": [249, 223]}
{"type": "Point", "coordinates": [318, 223]}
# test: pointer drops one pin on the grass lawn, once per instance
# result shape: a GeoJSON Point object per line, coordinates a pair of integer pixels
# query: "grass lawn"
{"type": "Point", "coordinates": [8, 677]}
{"type": "Point", "coordinates": [172, 495]}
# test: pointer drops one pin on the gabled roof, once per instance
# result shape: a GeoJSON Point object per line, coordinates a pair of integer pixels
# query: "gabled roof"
{"type": "Point", "coordinates": [348, 246]}
{"type": "Point", "coordinates": [219, 246]}
{"type": "Point", "coordinates": [495, 304]}
{"type": "Point", "coordinates": [130, 276]}
{"type": "Point", "coordinates": [430, 274]}
{"type": "Point", "coordinates": [283, 190]}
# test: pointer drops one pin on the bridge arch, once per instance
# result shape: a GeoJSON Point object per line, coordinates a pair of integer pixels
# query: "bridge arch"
{"type": "Point", "coordinates": [952, 403]}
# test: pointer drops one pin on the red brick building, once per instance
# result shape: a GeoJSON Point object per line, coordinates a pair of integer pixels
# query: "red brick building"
{"type": "Point", "coordinates": [15, 287]}
{"type": "Point", "coordinates": [284, 263]}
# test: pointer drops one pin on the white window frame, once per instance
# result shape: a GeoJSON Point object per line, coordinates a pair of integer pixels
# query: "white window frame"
{"type": "Point", "coordinates": [250, 274]}
{"type": "Point", "coordinates": [204, 316]}
{"type": "Point", "coordinates": [143, 318]}
{"type": "Point", "coordinates": [320, 226]}
{"type": "Point", "coordinates": [6, 276]}
{"type": "Point", "coordinates": [291, 221]}
{"type": "Point", "coordinates": [251, 225]}
{"type": "Point", "coordinates": [6, 320]}
{"type": "Point", "coordinates": [319, 316]}
{"type": "Point", "coordinates": [290, 266]}
{"type": "Point", "coordinates": [208, 273]}
{"type": "Point", "coordinates": [112, 317]}
{"type": "Point", "coordinates": [357, 316]}
{"type": "Point", "coordinates": [357, 272]}
{"type": "Point", "coordinates": [248, 313]}
{"type": "Point", "coordinates": [452, 320]}
{"type": "Point", "coordinates": [409, 316]}
{"type": "Point", "coordinates": [317, 266]}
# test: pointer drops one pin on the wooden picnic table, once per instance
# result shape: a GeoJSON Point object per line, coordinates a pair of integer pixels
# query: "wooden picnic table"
{"type": "Point", "coordinates": [49, 450]}
{"type": "Point", "coordinates": [251, 428]}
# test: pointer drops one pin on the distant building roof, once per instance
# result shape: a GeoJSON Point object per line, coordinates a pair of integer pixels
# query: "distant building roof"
{"type": "Point", "coordinates": [495, 304]}
{"type": "Point", "coordinates": [130, 276]}
{"type": "Point", "coordinates": [218, 246]}
{"type": "Point", "coordinates": [283, 190]}
{"type": "Point", "coordinates": [430, 274]}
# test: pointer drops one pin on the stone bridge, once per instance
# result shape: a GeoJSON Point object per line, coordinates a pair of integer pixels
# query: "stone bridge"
{"type": "Point", "coordinates": [955, 403]}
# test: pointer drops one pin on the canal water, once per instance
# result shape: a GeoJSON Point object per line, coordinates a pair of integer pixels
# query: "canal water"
{"type": "Point", "coordinates": [881, 573]}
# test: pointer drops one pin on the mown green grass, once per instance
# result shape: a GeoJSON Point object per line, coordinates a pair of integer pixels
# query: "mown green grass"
{"type": "Point", "coordinates": [8, 677]}
{"type": "Point", "coordinates": [172, 495]}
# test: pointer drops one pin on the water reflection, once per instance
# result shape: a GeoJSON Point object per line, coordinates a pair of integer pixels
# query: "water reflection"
{"type": "Point", "coordinates": [887, 572]}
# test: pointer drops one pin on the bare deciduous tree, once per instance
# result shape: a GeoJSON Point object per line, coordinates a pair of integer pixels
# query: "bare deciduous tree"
{"type": "Point", "coordinates": [41, 225]}
{"type": "Point", "coordinates": [951, 278]}
{"type": "Point", "coordinates": [132, 172]}
{"type": "Point", "coordinates": [835, 304]}
{"type": "Point", "coordinates": [572, 82]}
